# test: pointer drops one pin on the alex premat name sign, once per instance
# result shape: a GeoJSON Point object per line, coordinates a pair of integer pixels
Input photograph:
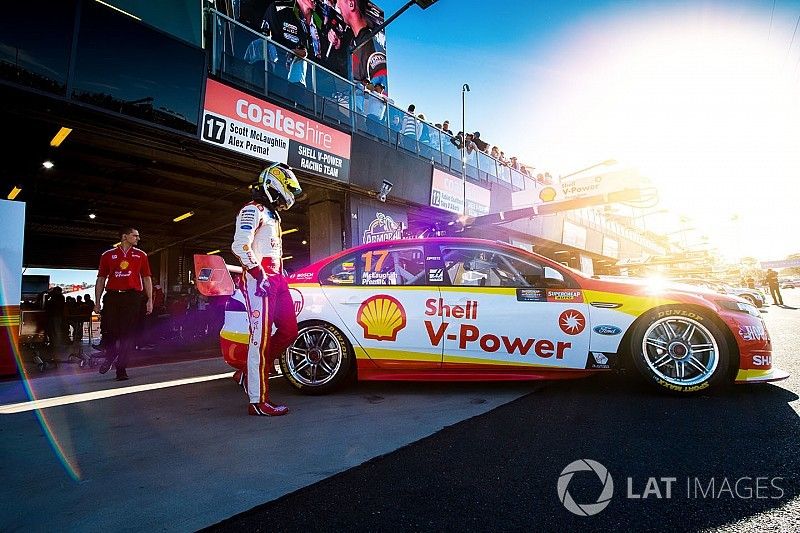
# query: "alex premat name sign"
{"type": "Point", "coordinates": [237, 121]}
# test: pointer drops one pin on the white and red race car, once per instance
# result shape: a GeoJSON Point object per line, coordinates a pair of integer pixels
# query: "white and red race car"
{"type": "Point", "coordinates": [457, 309]}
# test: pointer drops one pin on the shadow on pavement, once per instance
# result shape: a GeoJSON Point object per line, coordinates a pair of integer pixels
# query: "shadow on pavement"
{"type": "Point", "coordinates": [499, 471]}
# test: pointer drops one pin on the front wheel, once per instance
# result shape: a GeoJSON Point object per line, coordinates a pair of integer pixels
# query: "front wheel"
{"type": "Point", "coordinates": [319, 360]}
{"type": "Point", "coordinates": [680, 351]}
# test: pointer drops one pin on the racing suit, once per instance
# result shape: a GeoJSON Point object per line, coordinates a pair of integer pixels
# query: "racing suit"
{"type": "Point", "coordinates": [257, 244]}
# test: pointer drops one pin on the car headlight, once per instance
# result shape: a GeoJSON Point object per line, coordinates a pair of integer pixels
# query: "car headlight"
{"type": "Point", "coordinates": [742, 307]}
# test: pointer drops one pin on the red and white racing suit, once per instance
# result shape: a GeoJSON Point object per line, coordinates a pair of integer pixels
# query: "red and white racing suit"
{"type": "Point", "coordinates": [257, 241]}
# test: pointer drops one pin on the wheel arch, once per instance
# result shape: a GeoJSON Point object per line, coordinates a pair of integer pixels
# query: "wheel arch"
{"type": "Point", "coordinates": [730, 340]}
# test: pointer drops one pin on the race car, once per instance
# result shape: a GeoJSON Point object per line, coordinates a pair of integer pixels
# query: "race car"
{"type": "Point", "coordinates": [458, 309]}
{"type": "Point", "coordinates": [754, 296]}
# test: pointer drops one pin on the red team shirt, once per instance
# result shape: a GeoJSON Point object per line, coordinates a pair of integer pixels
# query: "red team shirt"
{"type": "Point", "coordinates": [124, 270]}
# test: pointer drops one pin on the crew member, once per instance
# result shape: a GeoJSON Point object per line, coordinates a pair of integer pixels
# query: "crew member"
{"type": "Point", "coordinates": [128, 272]}
{"type": "Point", "coordinates": [257, 244]}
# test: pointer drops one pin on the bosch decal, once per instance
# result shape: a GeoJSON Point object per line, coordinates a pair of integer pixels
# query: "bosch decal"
{"type": "Point", "coordinates": [605, 329]}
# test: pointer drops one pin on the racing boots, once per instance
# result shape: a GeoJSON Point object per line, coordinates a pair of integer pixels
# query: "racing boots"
{"type": "Point", "coordinates": [266, 409]}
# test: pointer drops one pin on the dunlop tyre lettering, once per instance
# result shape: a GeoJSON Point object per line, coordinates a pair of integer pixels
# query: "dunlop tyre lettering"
{"type": "Point", "coordinates": [657, 364]}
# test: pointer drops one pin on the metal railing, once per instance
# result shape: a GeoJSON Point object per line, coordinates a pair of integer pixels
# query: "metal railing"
{"type": "Point", "coordinates": [254, 61]}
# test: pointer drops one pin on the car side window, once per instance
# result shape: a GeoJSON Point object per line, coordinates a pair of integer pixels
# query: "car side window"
{"type": "Point", "coordinates": [468, 266]}
{"type": "Point", "coordinates": [340, 272]}
{"type": "Point", "coordinates": [401, 265]}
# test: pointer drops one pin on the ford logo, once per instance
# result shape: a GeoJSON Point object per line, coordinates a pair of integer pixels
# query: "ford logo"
{"type": "Point", "coordinates": [607, 330]}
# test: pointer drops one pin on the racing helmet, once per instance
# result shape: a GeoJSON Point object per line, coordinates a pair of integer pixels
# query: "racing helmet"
{"type": "Point", "coordinates": [278, 185]}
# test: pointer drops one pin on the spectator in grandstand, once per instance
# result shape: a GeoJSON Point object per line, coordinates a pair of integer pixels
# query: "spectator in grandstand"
{"type": "Point", "coordinates": [458, 140]}
{"type": "Point", "coordinates": [369, 61]}
{"type": "Point", "coordinates": [476, 138]}
{"type": "Point", "coordinates": [446, 128]}
{"type": "Point", "coordinates": [409, 124]}
{"type": "Point", "coordinates": [374, 108]}
{"type": "Point", "coordinates": [495, 152]}
{"type": "Point", "coordinates": [514, 163]}
{"type": "Point", "coordinates": [423, 130]}
{"type": "Point", "coordinates": [503, 158]}
{"type": "Point", "coordinates": [470, 145]}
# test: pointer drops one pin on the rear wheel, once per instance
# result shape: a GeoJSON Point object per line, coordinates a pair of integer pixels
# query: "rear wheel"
{"type": "Point", "coordinates": [680, 351]}
{"type": "Point", "coordinates": [319, 360]}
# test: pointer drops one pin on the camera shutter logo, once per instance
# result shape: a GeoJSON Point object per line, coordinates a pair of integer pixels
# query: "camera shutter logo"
{"type": "Point", "coordinates": [585, 509]}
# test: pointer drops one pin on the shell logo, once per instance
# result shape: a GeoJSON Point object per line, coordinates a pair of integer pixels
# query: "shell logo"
{"type": "Point", "coordinates": [382, 317]}
{"type": "Point", "coordinates": [123, 264]}
{"type": "Point", "coordinates": [548, 194]}
{"type": "Point", "coordinates": [297, 300]}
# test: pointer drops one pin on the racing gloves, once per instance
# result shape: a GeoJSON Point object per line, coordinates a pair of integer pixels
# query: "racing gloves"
{"type": "Point", "coordinates": [262, 283]}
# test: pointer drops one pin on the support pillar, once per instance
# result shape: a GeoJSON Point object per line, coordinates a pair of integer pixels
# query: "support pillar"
{"type": "Point", "coordinates": [325, 210]}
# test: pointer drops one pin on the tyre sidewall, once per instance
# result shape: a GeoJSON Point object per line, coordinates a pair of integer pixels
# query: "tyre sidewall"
{"type": "Point", "coordinates": [338, 379]}
{"type": "Point", "coordinates": [715, 381]}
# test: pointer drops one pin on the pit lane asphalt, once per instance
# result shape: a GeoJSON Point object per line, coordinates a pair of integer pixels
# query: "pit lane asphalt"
{"type": "Point", "coordinates": [439, 456]}
{"type": "Point", "coordinates": [498, 471]}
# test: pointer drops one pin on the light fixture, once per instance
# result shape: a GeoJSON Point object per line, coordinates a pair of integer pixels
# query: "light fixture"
{"type": "Point", "coordinates": [60, 136]}
{"type": "Point", "coordinates": [212, 252]}
{"type": "Point", "coordinates": [48, 164]}
{"type": "Point", "coordinates": [118, 9]}
{"type": "Point", "coordinates": [386, 187]}
{"type": "Point", "coordinates": [14, 192]}
{"type": "Point", "coordinates": [304, 242]}
{"type": "Point", "coordinates": [92, 216]}
{"type": "Point", "coordinates": [287, 257]}
{"type": "Point", "coordinates": [288, 231]}
{"type": "Point", "coordinates": [561, 251]}
{"type": "Point", "coordinates": [183, 216]}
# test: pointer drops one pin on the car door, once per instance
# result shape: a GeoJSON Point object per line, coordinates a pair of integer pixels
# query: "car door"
{"type": "Point", "coordinates": [380, 294]}
{"type": "Point", "coordinates": [502, 308]}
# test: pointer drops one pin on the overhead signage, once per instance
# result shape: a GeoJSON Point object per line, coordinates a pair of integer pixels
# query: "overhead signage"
{"type": "Point", "coordinates": [609, 182]}
{"type": "Point", "coordinates": [242, 123]}
{"type": "Point", "coordinates": [447, 192]}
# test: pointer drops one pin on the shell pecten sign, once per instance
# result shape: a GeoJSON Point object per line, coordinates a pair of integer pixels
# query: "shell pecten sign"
{"type": "Point", "coordinates": [382, 317]}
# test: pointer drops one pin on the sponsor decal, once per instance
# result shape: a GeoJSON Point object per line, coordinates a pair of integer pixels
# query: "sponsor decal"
{"type": "Point", "coordinates": [762, 360]}
{"type": "Point", "coordinates": [255, 313]}
{"type": "Point", "coordinates": [681, 388]}
{"type": "Point", "coordinates": [246, 226]}
{"type": "Point", "coordinates": [606, 329]}
{"type": "Point", "coordinates": [433, 258]}
{"type": "Point", "coordinates": [680, 312]}
{"type": "Point", "coordinates": [297, 300]}
{"type": "Point", "coordinates": [382, 228]}
{"type": "Point", "coordinates": [753, 333]}
{"type": "Point", "coordinates": [382, 317]}
{"type": "Point", "coordinates": [113, 256]}
{"type": "Point", "coordinates": [124, 264]}
{"type": "Point", "coordinates": [204, 275]}
{"type": "Point", "coordinates": [597, 361]}
{"type": "Point", "coordinates": [548, 194]}
{"type": "Point", "coordinates": [246, 248]}
{"type": "Point", "coordinates": [304, 275]}
{"type": "Point", "coordinates": [466, 335]}
{"type": "Point", "coordinates": [575, 296]}
{"type": "Point", "coordinates": [531, 295]}
{"type": "Point", "coordinates": [436, 274]}
{"type": "Point", "coordinates": [571, 322]}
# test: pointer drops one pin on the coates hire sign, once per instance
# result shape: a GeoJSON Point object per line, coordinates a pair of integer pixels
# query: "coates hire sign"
{"type": "Point", "coordinates": [242, 123]}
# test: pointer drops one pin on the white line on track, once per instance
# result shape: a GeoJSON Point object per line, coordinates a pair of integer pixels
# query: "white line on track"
{"type": "Point", "coordinates": [44, 403]}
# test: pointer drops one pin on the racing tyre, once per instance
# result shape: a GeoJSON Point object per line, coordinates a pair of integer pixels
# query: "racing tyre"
{"type": "Point", "coordinates": [680, 351]}
{"type": "Point", "coordinates": [319, 360]}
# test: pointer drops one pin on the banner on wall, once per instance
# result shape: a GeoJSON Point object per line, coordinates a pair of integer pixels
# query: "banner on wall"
{"type": "Point", "coordinates": [378, 222]}
{"type": "Point", "coordinates": [609, 182]}
{"type": "Point", "coordinates": [242, 123]}
{"type": "Point", "coordinates": [448, 191]}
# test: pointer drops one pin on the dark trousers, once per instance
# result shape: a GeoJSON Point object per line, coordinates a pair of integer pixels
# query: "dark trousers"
{"type": "Point", "coordinates": [121, 312]}
{"type": "Point", "coordinates": [775, 292]}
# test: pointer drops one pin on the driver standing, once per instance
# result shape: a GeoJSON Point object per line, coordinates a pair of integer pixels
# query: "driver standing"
{"type": "Point", "coordinates": [257, 244]}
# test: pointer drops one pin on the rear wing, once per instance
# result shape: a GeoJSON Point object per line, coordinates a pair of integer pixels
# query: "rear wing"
{"type": "Point", "coordinates": [214, 275]}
